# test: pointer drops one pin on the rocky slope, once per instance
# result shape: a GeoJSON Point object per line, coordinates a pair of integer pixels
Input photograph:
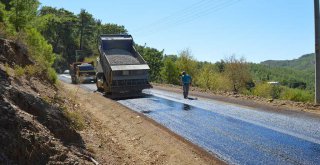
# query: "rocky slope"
{"type": "Point", "coordinates": [33, 127]}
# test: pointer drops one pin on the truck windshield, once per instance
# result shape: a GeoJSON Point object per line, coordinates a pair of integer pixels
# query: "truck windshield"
{"type": "Point", "coordinates": [86, 67]}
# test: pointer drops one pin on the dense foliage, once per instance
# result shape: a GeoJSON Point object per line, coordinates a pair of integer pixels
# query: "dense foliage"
{"type": "Point", "coordinates": [18, 18]}
{"type": "Point", "coordinates": [68, 32]}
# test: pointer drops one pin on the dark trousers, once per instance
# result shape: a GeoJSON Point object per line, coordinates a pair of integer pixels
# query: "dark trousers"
{"type": "Point", "coordinates": [185, 90]}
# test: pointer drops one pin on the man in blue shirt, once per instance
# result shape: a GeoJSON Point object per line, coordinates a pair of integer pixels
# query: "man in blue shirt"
{"type": "Point", "coordinates": [186, 81]}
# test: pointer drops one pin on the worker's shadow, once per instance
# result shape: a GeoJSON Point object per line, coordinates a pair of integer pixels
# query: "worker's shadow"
{"type": "Point", "coordinates": [192, 98]}
{"type": "Point", "coordinates": [186, 107]}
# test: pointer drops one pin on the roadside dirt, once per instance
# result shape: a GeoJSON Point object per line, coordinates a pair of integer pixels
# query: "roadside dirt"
{"type": "Point", "coordinates": [118, 135]}
{"type": "Point", "coordinates": [284, 106]}
{"type": "Point", "coordinates": [33, 129]}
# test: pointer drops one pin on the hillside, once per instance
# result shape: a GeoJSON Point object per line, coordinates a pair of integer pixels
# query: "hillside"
{"type": "Point", "coordinates": [291, 73]}
{"type": "Point", "coordinates": [34, 127]}
{"type": "Point", "coordinates": [303, 63]}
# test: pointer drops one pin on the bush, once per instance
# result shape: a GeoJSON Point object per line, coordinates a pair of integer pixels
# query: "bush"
{"type": "Point", "coordinates": [31, 70]}
{"type": "Point", "coordinates": [52, 75]}
{"type": "Point", "coordinates": [39, 49]}
{"type": "Point", "coordinates": [267, 91]}
{"type": "Point", "coordinates": [76, 119]}
{"type": "Point", "coordinates": [7, 68]}
{"type": "Point", "coordinates": [18, 71]}
{"type": "Point", "coordinates": [297, 95]}
{"type": "Point", "coordinates": [237, 70]}
{"type": "Point", "coordinates": [169, 72]}
{"type": "Point", "coordinates": [221, 83]}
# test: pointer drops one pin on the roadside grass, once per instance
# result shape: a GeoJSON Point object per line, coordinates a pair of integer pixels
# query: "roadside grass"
{"type": "Point", "coordinates": [52, 75]}
{"type": "Point", "coordinates": [19, 71]}
{"type": "Point", "coordinates": [72, 111]}
{"type": "Point", "coordinates": [282, 92]}
{"type": "Point", "coordinates": [67, 105]}
{"type": "Point", "coordinates": [297, 95]}
{"type": "Point", "coordinates": [77, 120]}
{"type": "Point", "coordinates": [30, 70]}
{"type": "Point", "coordinates": [35, 70]}
{"type": "Point", "coordinates": [7, 69]}
{"type": "Point", "coordinates": [267, 91]}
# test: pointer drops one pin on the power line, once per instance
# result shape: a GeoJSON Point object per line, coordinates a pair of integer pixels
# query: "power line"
{"type": "Point", "coordinates": [189, 9]}
{"type": "Point", "coordinates": [207, 12]}
{"type": "Point", "coordinates": [190, 17]}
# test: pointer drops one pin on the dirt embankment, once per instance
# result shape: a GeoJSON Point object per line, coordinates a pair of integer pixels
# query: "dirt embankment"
{"type": "Point", "coordinates": [32, 130]}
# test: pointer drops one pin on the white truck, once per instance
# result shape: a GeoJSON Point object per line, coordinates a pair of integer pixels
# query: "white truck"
{"type": "Point", "coordinates": [120, 69]}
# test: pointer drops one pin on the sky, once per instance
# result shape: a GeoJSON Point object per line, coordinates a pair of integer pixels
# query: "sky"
{"type": "Point", "coordinates": [257, 30]}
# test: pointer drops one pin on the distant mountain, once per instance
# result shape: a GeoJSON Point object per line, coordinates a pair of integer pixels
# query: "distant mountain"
{"type": "Point", "coordinates": [304, 63]}
{"type": "Point", "coordinates": [287, 72]}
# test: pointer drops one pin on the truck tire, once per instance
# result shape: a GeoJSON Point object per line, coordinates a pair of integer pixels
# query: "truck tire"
{"type": "Point", "coordinates": [99, 76]}
{"type": "Point", "coordinates": [105, 86]}
{"type": "Point", "coordinates": [73, 81]}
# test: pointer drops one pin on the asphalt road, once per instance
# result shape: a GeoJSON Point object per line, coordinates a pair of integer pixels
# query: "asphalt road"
{"type": "Point", "coordinates": [236, 134]}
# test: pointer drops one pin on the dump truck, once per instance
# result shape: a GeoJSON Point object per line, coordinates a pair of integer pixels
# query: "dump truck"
{"type": "Point", "coordinates": [82, 72]}
{"type": "Point", "coordinates": [121, 70]}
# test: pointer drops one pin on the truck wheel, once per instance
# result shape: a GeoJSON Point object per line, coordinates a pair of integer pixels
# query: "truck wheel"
{"type": "Point", "coordinates": [99, 76]}
{"type": "Point", "coordinates": [73, 81]}
{"type": "Point", "coordinates": [105, 86]}
{"type": "Point", "coordinates": [98, 87]}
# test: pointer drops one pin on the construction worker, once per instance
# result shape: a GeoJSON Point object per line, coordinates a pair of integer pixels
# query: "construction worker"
{"type": "Point", "coordinates": [186, 82]}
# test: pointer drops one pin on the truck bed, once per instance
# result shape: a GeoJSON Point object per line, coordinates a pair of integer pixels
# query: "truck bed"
{"type": "Point", "coordinates": [121, 57]}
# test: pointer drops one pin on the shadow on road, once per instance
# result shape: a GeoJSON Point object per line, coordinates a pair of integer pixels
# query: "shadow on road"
{"type": "Point", "coordinates": [118, 97]}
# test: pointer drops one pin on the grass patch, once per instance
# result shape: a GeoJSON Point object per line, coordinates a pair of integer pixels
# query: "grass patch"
{"type": "Point", "coordinates": [263, 90]}
{"type": "Point", "coordinates": [71, 110]}
{"type": "Point", "coordinates": [297, 95]}
{"type": "Point", "coordinates": [52, 75]}
{"type": "Point", "coordinates": [18, 71]}
{"type": "Point", "coordinates": [7, 69]}
{"type": "Point", "coordinates": [31, 70]}
{"type": "Point", "coordinates": [77, 120]}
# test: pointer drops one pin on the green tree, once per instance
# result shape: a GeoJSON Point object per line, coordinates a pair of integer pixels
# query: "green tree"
{"type": "Point", "coordinates": [206, 76]}
{"type": "Point", "coordinates": [237, 70]}
{"type": "Point", "coordinates": [186, 62]}
{"type": "Point", "coordinates": [220, 66]}
{"type": "Point", "coordinates": [3, 13]}
{"type": "Point", "coordinates": [22, 12]}
{"type": "Point", "coordinates": [113, 29]}
{"type": "Point", "coordinates": [5, 27]}
{"type": "Point", "coordinates": [87, 29]}
{"type": "Point", "coordinates": [39, 48]}
{"type": "Point", "coordinates": [154, 59]}
{"type": "Point", "coordinates": [60, 28]}
{"type": "Point", "coordinates": [169, 72]}
{"type": "Point", "coordinates": [7, 4]}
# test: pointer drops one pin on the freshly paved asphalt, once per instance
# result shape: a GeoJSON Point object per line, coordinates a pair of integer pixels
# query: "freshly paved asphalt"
{"type": "Point", "coordinates": [236, 134]}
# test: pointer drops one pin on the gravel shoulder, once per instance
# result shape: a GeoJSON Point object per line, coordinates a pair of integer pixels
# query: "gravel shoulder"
{"type": "Point", "coordinates": [118, 135]}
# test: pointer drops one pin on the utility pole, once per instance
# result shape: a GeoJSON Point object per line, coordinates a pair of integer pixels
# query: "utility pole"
{"type": "Point", "coordinates": [317, 49]}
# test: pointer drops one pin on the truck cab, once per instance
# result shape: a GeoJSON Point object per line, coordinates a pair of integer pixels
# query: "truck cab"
{"type": "Point", "coordinates": [82, 72]}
